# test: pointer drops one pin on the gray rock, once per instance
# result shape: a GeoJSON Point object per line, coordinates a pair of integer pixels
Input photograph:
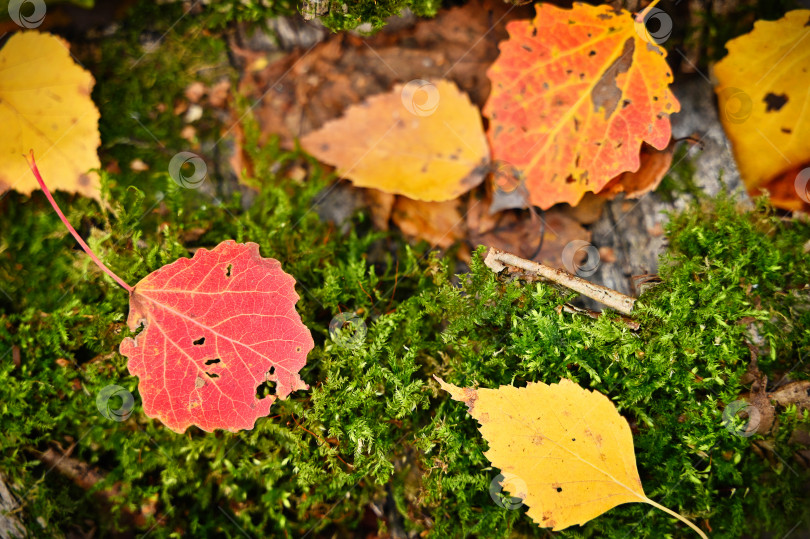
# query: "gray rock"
{"type": "Point", "coordinates": [633, 228]}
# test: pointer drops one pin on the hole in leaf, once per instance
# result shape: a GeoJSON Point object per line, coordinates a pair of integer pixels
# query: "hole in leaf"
{"type": "Point", "coordinates": [559, 489]}
{"type": "Point", "coordinates": [265, 388]}
{"type": "Point", "coordinates": [228, 270]}
{"type": "Point", "coordinates": [298, 349]}
{"type": "Point", "coordinates": [212, 375]}
{"type": "Point", "coordinates": [213, 361]}
{"type": "Point", "coordinates": [199, 342]}
{"type": "Point", "coordinates": [142, 323]}
{"type": "Point", "coordinates": [271, 371]}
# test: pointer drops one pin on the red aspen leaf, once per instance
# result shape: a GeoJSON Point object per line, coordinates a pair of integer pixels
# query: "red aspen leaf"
{"type": "Point", "coordinates": [575, 92]}
{"type": "Point", "coordinates": [215, 328]}
{"type": "Point", "coordinates": [422, 140]}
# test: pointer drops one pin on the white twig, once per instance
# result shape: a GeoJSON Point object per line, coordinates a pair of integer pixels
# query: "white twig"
{"type": "Point", "coordinates": [497, 260]}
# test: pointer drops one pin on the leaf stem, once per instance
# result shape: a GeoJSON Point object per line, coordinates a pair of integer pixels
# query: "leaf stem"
{"type": "Point", "coordinates": [497, 260]}
{"type": "Point", "coordinates": [676, 515]}
{"type": "Point", "coordinates": [85, 247]}
{"type": "Point", "coordinates": [643, 13]}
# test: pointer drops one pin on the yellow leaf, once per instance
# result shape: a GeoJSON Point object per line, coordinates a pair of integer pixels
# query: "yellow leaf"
{"type": "Point", "coordinates": [569, 447]}
{"type": "Point", "coordinates": [422, 140]}
{"type": "Point", "coordinates": [439, 223]}
{"type": "Point", "coordinates": [763, 92]}
{"type": "Point", "coordinates": [45, 106]}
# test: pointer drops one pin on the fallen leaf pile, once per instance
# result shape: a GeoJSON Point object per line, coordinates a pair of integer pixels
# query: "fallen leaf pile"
{"type": "Point", "coordinates": [580, 101]}
{"type": "Point", "coordinates": [299, 92]}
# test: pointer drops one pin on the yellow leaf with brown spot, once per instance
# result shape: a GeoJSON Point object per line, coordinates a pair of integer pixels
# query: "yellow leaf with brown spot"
{"type": "Point", "coordinates": [763, 93]}
{"type": "Point", "coordinates": [567, 451]}
{"type": "Point", "coordinates": [45, 106]}
{"type": "Point", "coordinates": [422, 140]}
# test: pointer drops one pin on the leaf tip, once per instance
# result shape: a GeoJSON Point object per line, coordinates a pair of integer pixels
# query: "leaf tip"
{"type": "Point", "coordinates": [462, 394]}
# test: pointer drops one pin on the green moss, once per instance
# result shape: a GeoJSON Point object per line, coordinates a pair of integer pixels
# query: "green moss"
{"type": "Point", "coordinates": [351, 14]}
{"type": "Point", "coordinates": [373, 428]}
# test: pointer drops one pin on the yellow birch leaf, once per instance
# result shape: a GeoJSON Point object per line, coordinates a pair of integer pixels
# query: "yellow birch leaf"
{"type": "Point", "coordinates": [45, 106]}
{"type": "Point", "coordinates": [763, 93]}
{"type": "Point", "coordinates": [568, 451]}
{"type": "Point", "coordinates": [422, 140]}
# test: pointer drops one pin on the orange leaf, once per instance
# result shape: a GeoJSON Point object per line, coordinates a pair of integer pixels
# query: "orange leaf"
{"type": "Point", "coordinates": [568, 452]}
{"type": "Point", "coordinates": [420, 140]}
{"type": "Point", "coordinates": [574, 94]}
{"type": "Point", "coordinates": [45, 106]}
{"type": "Point", "coordinates": [439, 223]}
{"type": "Point", "coordinates": [654, 166]}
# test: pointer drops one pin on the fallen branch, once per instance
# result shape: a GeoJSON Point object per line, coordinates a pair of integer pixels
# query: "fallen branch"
{"type": "Point", "coordinates": [497, 260]}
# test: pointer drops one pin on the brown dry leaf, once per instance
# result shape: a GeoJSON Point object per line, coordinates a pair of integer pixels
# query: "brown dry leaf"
{"type": "Point", "coordinates": [218, 95]}
{"type": "Point", "coordinates": [502, 199]}
{"type": "Point", "coordinates": [783, 189]}
{"type": "Point", "coordinates": [508, 188]}
{"type": "Point", "coordinates": [588, 211]}
{"type": "Point", "coordinates": [797, 393]}
{"type": "Point", "coordinates": [195, 91]}
{"type": "Point", "coordinates": [439, 223]}
{"type": "Point", "coordinates": [45, 106]}
{"type": "Point", "coordinates": [519, 232]}
{"type": "Point", "coordinates": [584, 448]}
{"type": "Point", "coordinates": [380, 206]}
{"type": "Point", "coordinates": [297, 93]}
{"type": "Point", "coordinates": [654, 166]}
{"type": "Point", "coordinates": [423, 140]}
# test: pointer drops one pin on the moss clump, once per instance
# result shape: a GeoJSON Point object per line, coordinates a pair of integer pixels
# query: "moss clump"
{"type": "Point", "coordinates": [374, 434]}
{"type": "Point", "coordinates": [336, 15]}
{"type": "Point", "coordinates": [351, 14]}
{"type": "Point", "coordinates": [373, 430]}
